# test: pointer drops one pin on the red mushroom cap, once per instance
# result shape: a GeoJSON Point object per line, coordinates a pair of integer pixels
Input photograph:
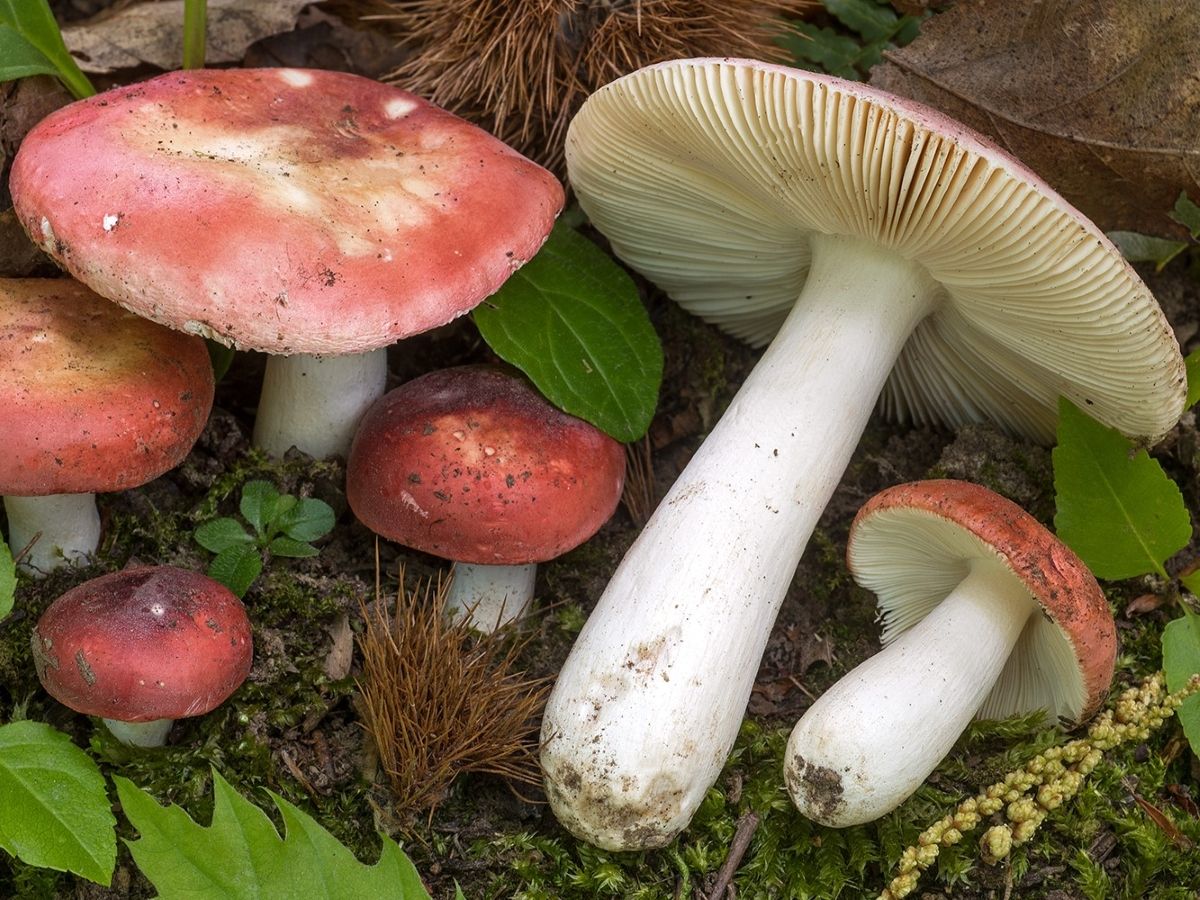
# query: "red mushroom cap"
{"type": "Point", "coordinates": [473, 464]}
{"type": "Point", "coordinates": [283, 210]}
{"type": "Point", "coordinates": [147, 643]}
{"type": "Point", "coordinates": [1074, 604]}
{"type": "Point", "coordinates": [94, 398]}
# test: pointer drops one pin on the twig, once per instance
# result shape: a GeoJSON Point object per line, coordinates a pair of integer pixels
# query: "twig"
{"type": "Point", "coordinates": [746, 827]}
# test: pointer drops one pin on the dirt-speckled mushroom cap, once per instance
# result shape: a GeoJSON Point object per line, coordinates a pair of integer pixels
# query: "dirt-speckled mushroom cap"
{"type": "Point", "coordinates": [94, 398]}
{"type": "Point", "coordinates": [154, 642]}
{"type": "Point", "coordinates": [913, 543]}
{"type": "Point", "coordinates": [712, 178]}
{"type": "Point", "coordinates": [473, 464]}
{"type": "Point", "coordinates": [283, 210]}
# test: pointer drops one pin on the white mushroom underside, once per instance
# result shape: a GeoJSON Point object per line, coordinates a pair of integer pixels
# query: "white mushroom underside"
{"type": "Point", "coordinates": [911, 565]}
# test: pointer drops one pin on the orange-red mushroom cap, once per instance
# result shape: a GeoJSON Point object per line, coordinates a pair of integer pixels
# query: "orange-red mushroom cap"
{"type": "Point", "coordinates": [283, 210]}
{"type": "Point", "coordinates": [911, 545]}
{"type": "Point", "coordinates": [94, 398]}
{"type": "Point", "coordinates": [141, 644]}
{"type": "Point", "coordinates": [473, 464]}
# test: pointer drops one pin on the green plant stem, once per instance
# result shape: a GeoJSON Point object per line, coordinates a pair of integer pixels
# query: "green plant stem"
{"type": "Point", "coordinates": [77, 83]}
{"type": "Point", "coordinates": [195, 25]}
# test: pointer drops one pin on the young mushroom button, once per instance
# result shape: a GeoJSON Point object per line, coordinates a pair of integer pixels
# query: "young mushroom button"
{"type": "Point", "coordinates": [985, 613]}
{"type": "Point", "coordinates": [94, 399]}
{"type": "Point", "coordinates": [316, 216]}
{"type": "Point", "coordinates": [472, 464]}
{"type": "Point", "coordinates": [897, 258]}
{"type": "Point", "coordinates": [143, 647]}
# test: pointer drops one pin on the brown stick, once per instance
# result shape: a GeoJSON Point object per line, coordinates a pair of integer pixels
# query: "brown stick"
{"type": "Point", "coordinates": [746, 827]}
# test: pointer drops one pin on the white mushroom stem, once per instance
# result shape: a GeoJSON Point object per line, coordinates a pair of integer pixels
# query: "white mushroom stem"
{"type": "Point", "coordinates": [870, 740]}
{"type": "Point", "coordinates": [649, 702]}
{"type": "Point", "coordinates": [141, 734]}
{"type": "Point", "coordinates": [314, 403]}
{"type": "Point", "coordinates": [490, 596]}
{"type": "Point", "coordinates": [66, 528]}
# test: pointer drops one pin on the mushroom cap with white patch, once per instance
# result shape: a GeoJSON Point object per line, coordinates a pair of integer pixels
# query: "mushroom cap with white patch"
{"type": "Point", "coordinates": [282, 210]}
{"type": "Point", "coordinates": [712, 176]}
{"type": "Point", "coordinates": [912, 544]}
{"type": "Point", "coordinates": [95, 398]}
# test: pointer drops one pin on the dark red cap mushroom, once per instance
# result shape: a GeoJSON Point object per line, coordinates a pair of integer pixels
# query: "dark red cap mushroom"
{"type": "Point", "coordinates": [474, 465]}
{"type": "Point", "coordinates": [143, 647]}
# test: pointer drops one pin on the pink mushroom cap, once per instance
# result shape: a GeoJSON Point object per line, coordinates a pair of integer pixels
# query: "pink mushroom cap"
{"type": "Point", "coordinates": [155, 642]}
{"type": "Point", "coordinates": [95, 398]}
{"type": "Point", "coordinates": [283, 210]}
{"type": "Point", "coordinates": [473, 464]}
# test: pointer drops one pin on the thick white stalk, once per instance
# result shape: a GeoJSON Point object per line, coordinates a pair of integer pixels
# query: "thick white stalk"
{"type": "Point", "coordinates": [314, 403]}
{"type": "Point", "coordinates": [870, 740]}
{"type": "Point", "coordinates": [490, 596]}
{"type": "Point", "coordinates": [141, 734]}
{"type": "Point", "coordinates": [67, 527]}
{"type": "Point", "coordinates": [649, 702]}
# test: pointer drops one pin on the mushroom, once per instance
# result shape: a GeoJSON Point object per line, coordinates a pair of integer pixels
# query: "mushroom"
{"type": "Point", "coordinates": [317, 216]}
{"type": "Point", "coordinates": [143, 647]}
{"type": "Point", "coordinates": [472, 464]}
{"type": "Point", "coordinates": [985, 613]}
{"type": "Point", "coordinates": [878, 237]}
{"type": "Point", "coordinates": [95, 399]}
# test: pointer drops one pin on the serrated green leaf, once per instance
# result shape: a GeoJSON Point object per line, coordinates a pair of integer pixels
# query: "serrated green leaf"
{"type": "Point", "coordinates": [1137, 247]}
{"type": "Point", "coordinates": [307, 520]}
{"type": "Point", "coordinates": [868, 18]}
{"type": "Point", "coordinates": [33, 21]}
{"type": "Point", "coordinates": [1181, 660]}
{"type": "Point", "coordinates": [824, 49]}
{"type": "Point", "coordinates": [54, 811]}
{"type": "Point", "coordinates": [1117, 509]}
{"type": "Point", "coordinates": [258, 502]}
{"type": "Point", "coordinates": [1192, 361]}
{"type": "Point", "coordinates": [8, 580]}
{"type": "Point", "coordinates": [1187, 214]}
{"type": "Point", "coordinates": [236, 567]}
{"type": "Point", "coordinates": [241, 855]}
{"type": "Point", "coordinates": [286, 546]}
{"type": "Point", "coordinates": [571, 320]}
{"type": "Point", "coordinates": [221, 534]}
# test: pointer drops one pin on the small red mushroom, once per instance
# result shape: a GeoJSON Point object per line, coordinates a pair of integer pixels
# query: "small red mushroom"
{"type": "Point", "coordinates": [143, 647]}
{"type": "Point", "coordinates": [474, 465]}
{"type": "Point", "coordinates": [95, 399]}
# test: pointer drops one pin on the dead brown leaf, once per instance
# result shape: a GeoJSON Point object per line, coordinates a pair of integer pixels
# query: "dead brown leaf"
{"type": "Point", "coordinates": [153, 33]}
{"type": "Point", "coordinates": [341, 650]}
{"type": "Point", "coordinates": [1099, 97]}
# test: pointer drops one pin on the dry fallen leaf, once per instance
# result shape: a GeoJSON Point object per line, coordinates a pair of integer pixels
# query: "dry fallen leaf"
{"type": "Point", "coordinates": [153, 33]}
{"type": "Point", "coordinates": [1100, 97]}
{"type": "Point", "coordinates": [341, 650]}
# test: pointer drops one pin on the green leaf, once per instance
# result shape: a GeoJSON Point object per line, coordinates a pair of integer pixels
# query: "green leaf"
{"type": "Point", "coordinates": [8, 580]}
{"type": "Point", "coordinates": [241, 855]}
{"type": "Point", "coordinates": [19, 58]}
{"type": "Point", "coordinates": [33, 22]}
{"type": "Point", "coordinates": [1187, 214]}
{"type": "Point", "coordinates": [824, 49]}
{"type": "Point", "coordinates": [236, 567]}
{"type": "Point", "coordinates": [285, 546]}
{"type": "Point", "coordinates": [1117, 509]}
{"type": "Point", "coordinates": [1181, 660]}
{"type": "Point", "coordinates": [221, 358]}
{"type": "Point", "coordinates": [259, 501]}
{"type": "Point", "coordinates": [1191, 581]}
{"type": "Point", "coordinates": [1137, 247]}
{"type": "Point", "coordinates": [868, 18]}
{"type": "Point", "coordinates": [571, 319]}
{"type": "Point", "coordinates": [54, 811]}
{"type": "Point", "coordinates": [221, 534]}
{"type": "Point", "coordinates": [308, 520]}
{"type": "Point", "coordinates": [1192, 361]}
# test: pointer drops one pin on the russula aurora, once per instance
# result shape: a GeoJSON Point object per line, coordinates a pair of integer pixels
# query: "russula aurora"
{"type": "Point", "coordinates": [895, 253]}
{"type": "Point", "coordinates": [316, 216]}
{"type": "Point", "coordinates": [472, 464]}
{"type": "Point", "coordinates": [94, 399]}
{"type": "Point", "coordinates": [143, 647]}
{"type": "Point", "coordinates": [985, 613]}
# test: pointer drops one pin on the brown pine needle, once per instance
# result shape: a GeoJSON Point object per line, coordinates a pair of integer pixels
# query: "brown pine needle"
{"type": "Point", "coordinates": [440, 699]}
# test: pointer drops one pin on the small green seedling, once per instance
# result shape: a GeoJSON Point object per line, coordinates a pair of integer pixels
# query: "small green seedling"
{"type": "Point", "coordinates": [867, 28]}
{"type": "Point", "coordinates": [8, 580]}
{"type": "Point", "coordinates": [283, 526]}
